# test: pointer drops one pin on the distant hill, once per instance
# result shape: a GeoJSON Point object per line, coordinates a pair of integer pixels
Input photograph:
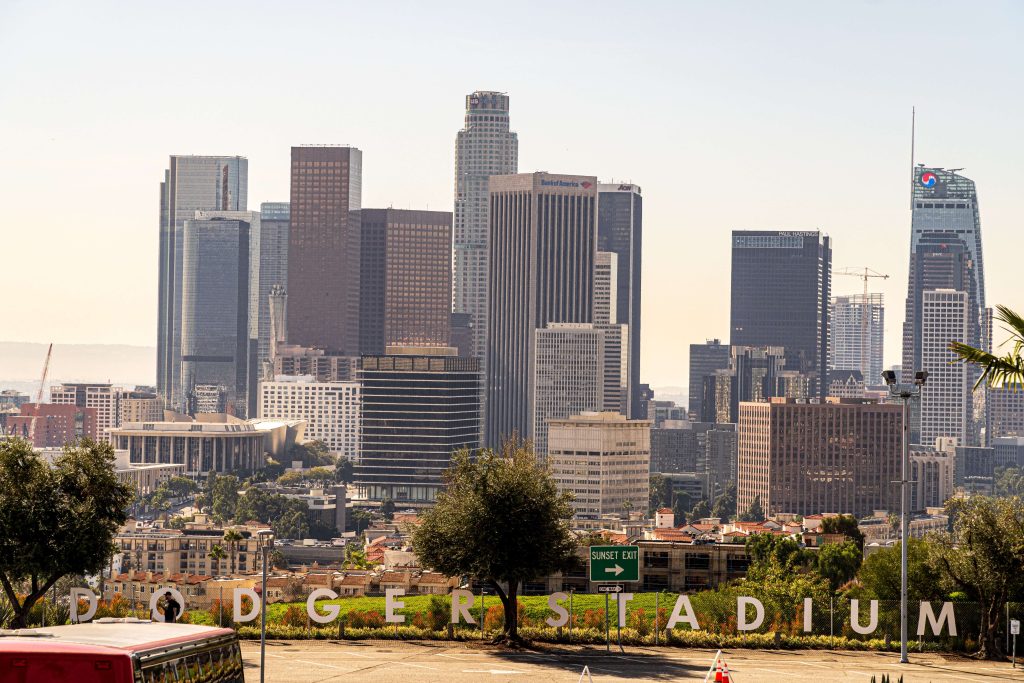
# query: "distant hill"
{"type": "Point", "coordinates": [21, 364]}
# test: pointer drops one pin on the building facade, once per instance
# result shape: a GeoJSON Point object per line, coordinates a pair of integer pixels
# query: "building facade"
{"type": "Point", "coordinates": [606, 285]}
{"type": "Point", "coordinates": [46, 425]}
{"type": "Point", "coordinates": [104, 398]}
{"type": "Point", "coordinates": [484, 147]}
{"type": "Point", "coordinates": [857, 335]}
{"type": "Point", "coordinates": [190, 183]}
{"type": "Point", "coordinates": [417, 408]}
{"type": "Point", "coordinates": [946, 397]}
{"type": "Point", "coordinates": [204, 447]}
{"type": "Point", "coordinates": [275, 220]}
{"type": "Point", "coordinates": [705, 359]}
{"type": "Point", "coordinates": [945, 253]}
{"type": "Point", "coordinates": [543, 240]}
{"type": "Point", "coordinates": [604, 460]}
{"type": "Point", "coordinates": [1004, 412]}
{"type": "Point", "coordinates": [405, 279]}
{"type": "Point", "coordinates": [620, 231]}
{"type": "Point", "coordinates": [569, 376]}
{"type": "Point", "coordinates": [330, 409]}
{"type": "Point", "coordinates": [324, 244]}
{"type": "Point", "coordinates": [780, 293]}
{"type": "Point", "coordinates": [215, 335]}
{"type": "Point", "coordinates": [805, 457]}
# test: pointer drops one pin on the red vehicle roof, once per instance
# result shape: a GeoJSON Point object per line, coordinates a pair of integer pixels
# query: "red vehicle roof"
{"type": "Point", "coordinates": [106, 637]}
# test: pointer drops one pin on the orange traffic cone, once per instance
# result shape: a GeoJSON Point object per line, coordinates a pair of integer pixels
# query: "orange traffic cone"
{"type": "Point", "coordinates": [725, 672]}
{"type": "Point", "coordinates": [718, 671]}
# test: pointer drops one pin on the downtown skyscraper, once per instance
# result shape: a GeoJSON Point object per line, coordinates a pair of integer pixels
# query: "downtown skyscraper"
{"type": "Point", "coordinates": [620, 231]}
{"type": "Point", "coordinates": [945, 254]}
{"type": "Point", "coordinates": [781, 283]}
{"type": "Point", "coordinates": [857, 335]}
{"type": "Point", "coordinates": [190, 184]}
{"type": "Point", "coordinates": [485, 147]}
{"type": "Point", "coordinates": [324, 248]}
{"type": "Point", "coordinates": [543, 240]}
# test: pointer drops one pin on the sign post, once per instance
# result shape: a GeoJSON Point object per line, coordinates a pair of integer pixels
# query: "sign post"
{"type": "Point", "coordinates": [1014, 631]}
{"type": "Point", "coordinates": [613, 563]}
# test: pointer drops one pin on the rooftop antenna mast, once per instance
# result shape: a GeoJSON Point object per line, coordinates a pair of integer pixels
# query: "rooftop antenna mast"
{"type": "Point", "coordinates": [913, 126]}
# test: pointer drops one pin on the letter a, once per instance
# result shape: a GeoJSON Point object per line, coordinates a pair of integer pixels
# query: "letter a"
{"type": "Point", "coordinates": [683, 601]}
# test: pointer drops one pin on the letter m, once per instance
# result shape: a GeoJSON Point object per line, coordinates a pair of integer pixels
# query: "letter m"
{"type": "Point", "coordinates": [945, 615]}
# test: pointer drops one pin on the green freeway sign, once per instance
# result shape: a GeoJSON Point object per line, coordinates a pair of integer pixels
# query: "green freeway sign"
{"type": "Point", "coordinates": [614, 563]}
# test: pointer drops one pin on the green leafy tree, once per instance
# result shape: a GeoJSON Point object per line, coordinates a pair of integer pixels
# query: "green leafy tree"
{"type": "Point", "coordinates": [355, 558]}
{"type": "Point", "coordinates": [502, 519]}
{"type": "Point", "coordinates": [179, 487]}
{"type": "Point", "coordinates": [879, 575]}
{"type": "Point", "coordinates": [360, 520]}
{"type": "Point", "coordinates": [983, 557]}
{"type": "Point", "coordinates": [838, 562]}
{"type": "Point", "coordinates": [387, 509]}
{"type": "Point", "coordinates": [725, 503]}
{"type": "Point", "coordinates": [344, 471]}
{"type": "Point", "coordinates": [1009, 481]}
{"type": "Point", "coordinates": [277, 560]}
{"type": "Point", "coordinates": [321, 475]}
{"type": "Point", "coordinates": [768, 549]}
{"type": "Point", "coordinates": [998, 371]}
{"type": "Point", "coordinates": [290, 478]}
{"type": "Point", "coordinates": [754, 513]}
{"type": "Point", "coordinates": [312, 454]}
{"type": "Point", "coordinates": [681, 506]}
{"type": "Point", "coordinates": [216, 555]}
{"type": "Point", "coordinates": [232, 537]}
{"type": "Point", "coordinates": [846, 525]}
{"type": "Point", "coordinates": [55, 520]}
{"type": "Point", "coordinates": [224, 497]}
{"type": "Point", "coordinates": [661, 493]}
{"type": "Point", "coordinates": [700, 511]}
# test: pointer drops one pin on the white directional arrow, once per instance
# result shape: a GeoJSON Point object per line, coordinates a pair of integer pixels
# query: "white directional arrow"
{"type": "Point", "coordinates": [615, 570]}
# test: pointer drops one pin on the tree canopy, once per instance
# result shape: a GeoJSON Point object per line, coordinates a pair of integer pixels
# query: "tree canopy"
{"type": "Point", "coordinates": [846, 525]}
{"type": "Point", "coordinates": [501, 519]}
{"type": "Point", "coordinates": [55, 520]}
{"type": "Point", "coordinates": [983, 557]}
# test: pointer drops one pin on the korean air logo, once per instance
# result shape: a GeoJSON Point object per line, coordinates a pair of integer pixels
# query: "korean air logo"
{"type": "Point", "coordinates": [928, 179]}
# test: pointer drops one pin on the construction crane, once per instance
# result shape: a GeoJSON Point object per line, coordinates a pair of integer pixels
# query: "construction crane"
{"type": "Point", "coordinates": [39, 396]}
{"type": "Point", "coordinates": [865, 274]}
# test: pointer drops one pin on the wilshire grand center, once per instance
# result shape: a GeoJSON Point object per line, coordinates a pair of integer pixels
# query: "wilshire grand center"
{"type": "Point", "coordinates": [945, 258]}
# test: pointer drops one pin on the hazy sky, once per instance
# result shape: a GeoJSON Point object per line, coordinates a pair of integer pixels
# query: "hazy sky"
{"type": "Point", "coordinates": [781, 115]}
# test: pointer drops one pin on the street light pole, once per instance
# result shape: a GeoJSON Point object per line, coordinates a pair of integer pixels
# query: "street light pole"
{"type": "Point", "coordinates": [904, 528]}
{"type": "Point", "coordinates": [266, 541]}
{"type": "Point", "coordinates": [905, 392]}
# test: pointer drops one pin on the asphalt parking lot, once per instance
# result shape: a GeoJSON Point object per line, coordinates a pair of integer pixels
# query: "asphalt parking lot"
{"type": "Point", "coordinates": [403, 662]}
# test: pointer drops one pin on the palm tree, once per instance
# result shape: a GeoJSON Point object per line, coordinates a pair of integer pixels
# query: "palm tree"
{"type": "Point", "coordinates": [998, 371]}
{"type": "Point", "coordinates": [216, 554]}
{"type": "Point", "coordinates": [232, 537]}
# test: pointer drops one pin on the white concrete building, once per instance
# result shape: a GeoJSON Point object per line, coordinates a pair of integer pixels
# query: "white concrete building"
{"type": "Point", "coordinates": [945, 397]}
{"type": "Point", "coordinates": [604, 459]}
{"type": "Point", "coordinates": [483, 148]}
{"type": "Point", "coordinates": [857, 335]}
{"type": "Point", "coordinates": [568, 376]}
{"type": "Point", "coordinates": [330, 409]}
{"type": "Point", "coordinates": [106, 399]}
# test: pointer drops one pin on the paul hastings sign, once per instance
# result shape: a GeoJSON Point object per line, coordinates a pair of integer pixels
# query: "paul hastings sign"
{"type": "Point", "coordinates": [750, 612]}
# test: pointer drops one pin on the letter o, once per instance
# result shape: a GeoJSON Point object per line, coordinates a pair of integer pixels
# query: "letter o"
{"type": "Point", "coordinates": [160, 592]}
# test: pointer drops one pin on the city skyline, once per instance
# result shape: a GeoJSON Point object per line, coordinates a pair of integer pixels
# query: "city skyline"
{"type": "Point", "coordinates": [798, 161]}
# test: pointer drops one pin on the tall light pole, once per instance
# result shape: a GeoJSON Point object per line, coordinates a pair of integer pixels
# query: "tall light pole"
{"type": "Point", "coordinates": [905, 392]}
{"type": "Point", "coordinates": [266, 541]}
